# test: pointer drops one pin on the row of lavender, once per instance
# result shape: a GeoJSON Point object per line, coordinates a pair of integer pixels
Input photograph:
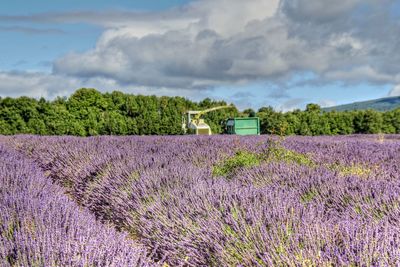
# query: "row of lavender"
{"type": "Point", "coordinates": [338, 206]}
{"type": "Point", "coordinates": [40, 226]}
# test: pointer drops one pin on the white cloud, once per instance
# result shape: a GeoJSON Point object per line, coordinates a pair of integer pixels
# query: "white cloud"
{"type": "Point", "coordinates": [31, 30]}
{"type": "Point", "coordinates": [228, 42]}
{"type": "Point", "coordinates": [366, 73]}
{"type": "Point", "coordinates": [210, 43]}
{"type": "Point", "coordinates": [198, 55]}
{"type": "Point", "coordinates": [395, 91]}
{"type": "Point", "coordinates": [327, 103]}
{"type": "Point", "coordinates": [318, 10]}
{"type": "Point", "coordinates": [291, 104]}
{"type": "Point", "coordinates": [227, 17]}
{"type": "Point", "coordinates": [34, 84]}
{"type": "Point", "coordinates": [346, 41]}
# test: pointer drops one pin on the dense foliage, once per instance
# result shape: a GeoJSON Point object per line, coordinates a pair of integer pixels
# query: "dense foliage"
{"type": "Point", "coordinates": [40, 226]}
{"type": "Point", "coordinates": [314, 121]}
{"type": "Point", "coordinates": [237, 201]}
{"type": "Point", "coordinates": [88, 112]}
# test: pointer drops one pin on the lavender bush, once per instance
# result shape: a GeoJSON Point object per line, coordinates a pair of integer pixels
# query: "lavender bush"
{"type": "Point", "coordinates": [237, 201]}
{"type": "Point", "coordinates": [40, 226]}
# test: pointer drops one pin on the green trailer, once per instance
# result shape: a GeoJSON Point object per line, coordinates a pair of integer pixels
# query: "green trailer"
{"type": "Point", "coordinates": [243, 126]}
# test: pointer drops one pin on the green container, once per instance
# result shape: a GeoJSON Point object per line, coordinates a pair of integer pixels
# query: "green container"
{"type": "Point", "coordinates": [243, 126]}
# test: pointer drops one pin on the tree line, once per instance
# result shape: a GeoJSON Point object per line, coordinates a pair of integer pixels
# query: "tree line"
{"type": "Point", "coordinates": [314, 121]}
{"type": "Point", "coordinates": [88, 112]}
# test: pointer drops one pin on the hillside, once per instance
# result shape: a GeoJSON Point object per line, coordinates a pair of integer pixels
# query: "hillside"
{"type": "Point", "coordinates": [381, 104]}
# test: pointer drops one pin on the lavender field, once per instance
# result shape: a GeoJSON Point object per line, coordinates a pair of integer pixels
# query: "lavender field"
{"type": "Point", "coordinates": [200, 201]}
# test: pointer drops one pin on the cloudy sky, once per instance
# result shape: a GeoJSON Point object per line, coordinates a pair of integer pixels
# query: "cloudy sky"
{"type": "Point", "coordinates": [282, 53]}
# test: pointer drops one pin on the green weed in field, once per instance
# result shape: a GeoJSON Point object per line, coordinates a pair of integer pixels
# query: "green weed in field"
{"type": "Point", "coordinates": [242, 159]}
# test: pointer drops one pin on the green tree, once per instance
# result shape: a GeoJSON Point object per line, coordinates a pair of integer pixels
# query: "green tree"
{"type": "Point", "coordinates": [249, 113]}
{"type": "Point", "coordinates": [368, 121]}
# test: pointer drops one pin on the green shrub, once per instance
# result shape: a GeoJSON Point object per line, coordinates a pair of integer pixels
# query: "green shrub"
{"type": "Point", "coordinates": [355, 169]}
{"type": "Point", "coordinates": [276, 152]}
{"type": "Point", "coordinates": [242, 159]}
{"type": "Point", "coordinates": [245, 159]}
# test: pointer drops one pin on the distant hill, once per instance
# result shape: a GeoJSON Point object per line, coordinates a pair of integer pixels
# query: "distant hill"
{"type": "Point", "coordinates": [381, 104]}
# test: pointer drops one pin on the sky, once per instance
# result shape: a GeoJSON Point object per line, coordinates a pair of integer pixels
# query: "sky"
{"type": "Point", "coordinates": [253, 53]}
